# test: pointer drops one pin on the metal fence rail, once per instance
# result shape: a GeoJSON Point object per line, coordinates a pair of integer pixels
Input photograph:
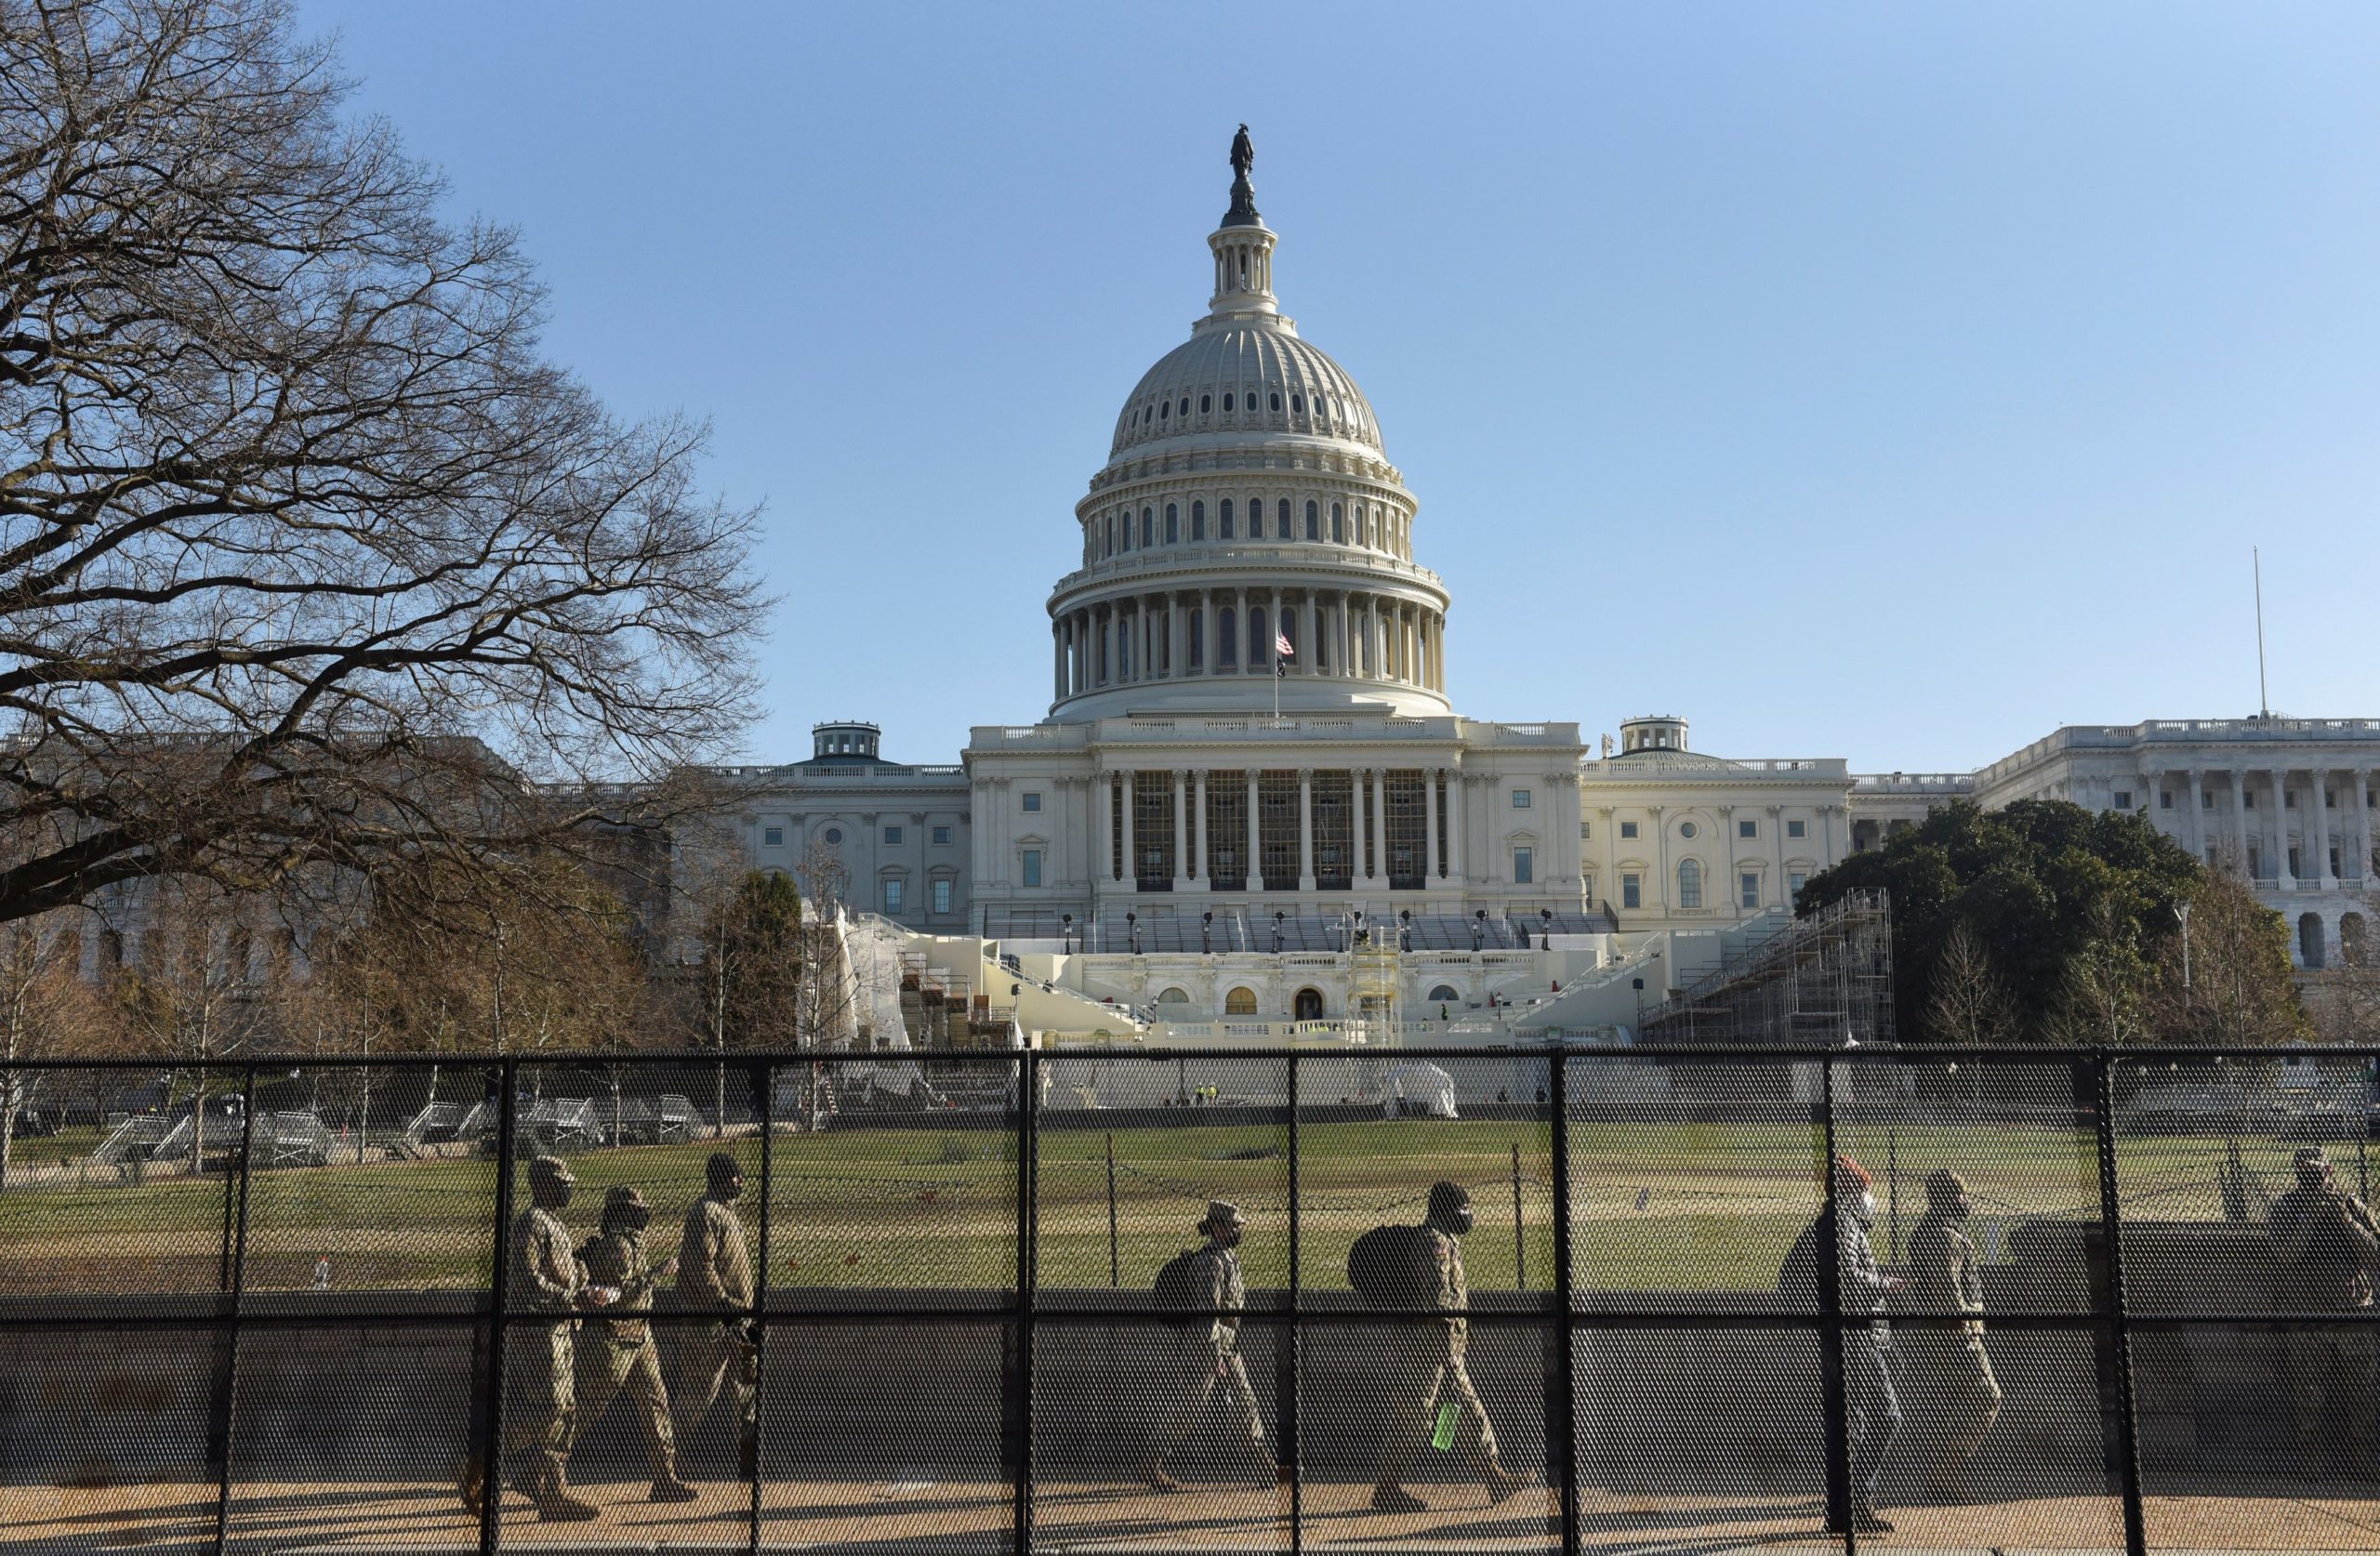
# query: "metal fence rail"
{"type": "Point", "coordinates": [300, 1315]}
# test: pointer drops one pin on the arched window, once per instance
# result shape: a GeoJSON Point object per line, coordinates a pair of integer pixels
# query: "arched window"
{"type": "Point", "coordinates": [1290, 631]}
{"type": "Point", "coordinates": [1165, 411]}
{"type": "Point", "coordinates": [1297, 404]}
{"type": "Point", "coordinates": [1148, 526]}
{"type": "Point", "coordinates": [1206, 404]}
{"type": "Point", "coordinates": [1277, 399]}
{"type": "Point", "coordinates": [1690, 883]}
{"type": "Point", "coordinates": [1444, 995]}
{"type": "Point", "coordinates": [1111, 538]}
{"type": "Point", "coordinates": [1338, 524]}
{"type": "Point", "coordinates": [1256, 644]}
{"type": "Point", "coordinates": [1186, 404]}
{"type": "Point", "coordinates": [1197, 521]}
{"type": "Point", "coordinates": [1174, 523]}
{"type": "Point", "coordinates": [1227, 404]}
{"type": "Point", "coordinates": [1240, 1002]}
{"type": "Point", "coordinates": [1282, 514]}
{"type": "Point", "coordinates": [1313, 520]}
{"type": "Point", "coordinates": [1174, 996]}
{"type": "Point", "coordinates": [1197, 638]}
{"type": "Point", "coordinates": [1225, 519]}
{"type": "Point", "coordinates": [1227, 645]}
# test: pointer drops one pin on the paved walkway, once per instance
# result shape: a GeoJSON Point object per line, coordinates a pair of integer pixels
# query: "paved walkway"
{"type": "Point", "coordinates": [978, 1516]}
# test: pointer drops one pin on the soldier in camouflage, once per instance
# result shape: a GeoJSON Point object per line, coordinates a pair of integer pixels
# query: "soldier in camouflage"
{"type": "Point", "coordinates": [1947, 1369]}
{"type": "Point", "coordinates": [715, 1274]}
{"type": "Point", "coordinates": [1426, 1369]}
{"type": "Point", "coordinates": [1205, 1359]}
{"type": "Point", "coordinates": [539, 1405]}
{"type": "Point", "coordinates": [2325, 1246]}
{"type": "Point", "coordinates": [615, 1352]}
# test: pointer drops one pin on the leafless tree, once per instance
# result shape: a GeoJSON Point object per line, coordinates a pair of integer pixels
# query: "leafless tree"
{"type": "Point", "coordinates": [191, 994]}
{"type": "Point", "coordinates": [47, 1010]}
{"type": "Point", "coordinates": [306, 556]}
{"type": "Point", "coordinates": [1970, 1005]}
{"type": "Point", "coordinates": [2224, 977]}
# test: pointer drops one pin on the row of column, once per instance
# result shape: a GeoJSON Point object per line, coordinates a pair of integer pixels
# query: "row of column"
{"type": "Point", "coordinates": [1171, 636]}
{"type": "Point", "coordinates": [1368, 789]}
{"type": "Point", "coordinates": [2321, 828]}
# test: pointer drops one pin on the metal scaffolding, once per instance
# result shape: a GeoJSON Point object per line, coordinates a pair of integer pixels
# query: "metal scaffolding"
{"type": "Point", "coordinates": [1828, 980]}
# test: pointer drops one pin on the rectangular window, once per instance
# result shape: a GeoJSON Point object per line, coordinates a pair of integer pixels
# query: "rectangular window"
{"type": "Point", "coordinates": [2123, 799]}
{"type": "Point", "coordinates": [1032, 867]}
{"type": "Point", "coordinates": [1523, 867]}
{"type": "Point", "coordinates": [772, 835]}
{"type": "Point", "coordinates": [2206, 799]}
{"type": "Point", "coordinates": [1796, 829]}
{"type": "Point", "coordinates": [1520, 800]}
{"type": "Point", "coordinates": [1586, 829]}
{"type": "Point", "coordinates": [942, 895]}
{"type": "Point", "coordinates": [1632, 891]}
{"type": "Point", "coordinates": [892, 837]}
{"type": "Point", "coordinates": [1628, 829]}
{"type": "Point", "coordinates": [1032, 801]}
{"type": "Point", "coordinates": [941, 837]}
{"type": "Point", "coordinates": [1794, 881]}
{"type": "Point", "coordinates": [1748, 890]}
{"type": "Point", "coordinates": [1587, 879]}
{"type": "Point", "coordinates": [2294, 870]}
{"type": "Point", "coordinates": [1402, 829]}
{"type": "Point", "coordinates": [2165, 800]}
{"type": "Point", "coordinates": [2289, 800]}
{"type": "Point", "coordinates": [1747, 829]}
{"type": "Point", "coordinates": [2331, 799]}
{"type": "Point", "coordinates": [893, 894]}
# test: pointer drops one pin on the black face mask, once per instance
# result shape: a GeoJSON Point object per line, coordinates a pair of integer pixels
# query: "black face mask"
{"type": "Point", "coordinates": [1460, 1221]}
{"type": "Point", "coordinates": [635, 1221]}
{"type": "Point", "coordinates": [730, 1188]}
{"type": "Point", "coordinates": [1227, 1237]}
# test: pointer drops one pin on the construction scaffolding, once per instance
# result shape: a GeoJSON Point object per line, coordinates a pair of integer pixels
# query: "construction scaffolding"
{"type": "Point", "coordinates": [1828, 980]}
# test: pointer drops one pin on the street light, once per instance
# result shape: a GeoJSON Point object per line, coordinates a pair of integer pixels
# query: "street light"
{"type": "Point", "coordinates": [2182, 912]}
{"type": "Point", "coordinates": [1206, 922]}
{"type": "Point", "coordinates": [1070, 927]}
{"type": "Point", "coordinates": [1132, 929]}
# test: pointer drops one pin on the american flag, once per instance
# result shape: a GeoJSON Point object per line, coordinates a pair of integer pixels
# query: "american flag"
{"type": "Point", "coordinates": [1281, 643]}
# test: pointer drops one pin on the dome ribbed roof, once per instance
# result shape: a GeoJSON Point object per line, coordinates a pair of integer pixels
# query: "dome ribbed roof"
{"type": "Point", "coordinates": [1274, 382]}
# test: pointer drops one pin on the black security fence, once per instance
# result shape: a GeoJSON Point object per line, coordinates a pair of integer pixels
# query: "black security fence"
{"type": "Point", "coordinates": [2095, 1300]}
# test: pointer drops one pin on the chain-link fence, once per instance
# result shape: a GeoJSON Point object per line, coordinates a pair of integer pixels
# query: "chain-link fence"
{"type": "Point", "coordinates": [1679, 1300]}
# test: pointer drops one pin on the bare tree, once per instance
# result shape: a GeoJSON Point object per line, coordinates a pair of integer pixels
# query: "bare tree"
{"type": "Point", "coordinates": [823, 877]}
{"type": "Point", "coordinates": [1970, 1005]}
{"type": "Point", "coordinates": [305, 554]}
{"type": "Point", "coordinates": [191, 995]}
{"type": "Point", "coordinates": [47, 1010]}
{"type": "Point", "coordinates": [2225, 976]}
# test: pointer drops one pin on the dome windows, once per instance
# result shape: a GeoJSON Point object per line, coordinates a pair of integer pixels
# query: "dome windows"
{"type": "Point", "coordinates": [1206, 404]}
{"type": "Point", "coordinates": [1297, 404]}
{"type": "Point", "coordinates": [1313, 520]}
{"type": "Point", "coordinates": [1164, 410]}
{"type": "Point", "coordinates": [1281, 515]}
{"type": "Point", "coordinates": [1186, 404]}
{"type": "Point", "coordinates": [1172, 524]}
{"type": "Point", "coordinates": [1197, 521]}
{"type": "Point", "coordinates": [1148, 526]}
{"type": "Point", "coordinates": [1223, 519]}
{"type": "Point", "coordinates": [1277, 399]}
{"type": "Point", "coordinates": [1339, 524]}
{"type": "Point", "coordinates": [1227, 404]}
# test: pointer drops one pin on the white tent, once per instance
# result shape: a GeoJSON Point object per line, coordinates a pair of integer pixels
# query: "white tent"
{"type": "Point", "coordinates": [1419, 1090]}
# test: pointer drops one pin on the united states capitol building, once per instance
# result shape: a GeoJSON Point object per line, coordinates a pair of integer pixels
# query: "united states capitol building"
{"type": "Point", "coordinates": [1251, 797]}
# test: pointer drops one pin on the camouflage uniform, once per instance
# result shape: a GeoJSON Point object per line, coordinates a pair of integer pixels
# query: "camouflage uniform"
{"type": "Point", "coordinates": [714, 1273]}
{"type": "Point", "coordinates": [1204, 1359]}
{"type": "Point", "coordinates": [615, 1354]}
{"type": "Point", "coordinates": [1426, 1369]}
{"type": "Point", "coordinates": [1947, 1369]}
{"type": "Point", "coordinates": [540, 1404]}
{"type": "Point", "coordinates": [2325, 1245]}
{"type": "Point", "coordinates": [1872, 1405]}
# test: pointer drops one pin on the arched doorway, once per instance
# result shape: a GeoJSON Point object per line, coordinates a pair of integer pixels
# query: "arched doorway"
{"type": "Point", "coordinates": [2310, 940]}
{"type": "Point", "coordinates": [1307, 1006]}
{"type": "Point", "coordinates": [1240, 1002]}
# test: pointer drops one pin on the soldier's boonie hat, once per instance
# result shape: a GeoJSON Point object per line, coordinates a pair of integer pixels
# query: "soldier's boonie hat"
{"type": "Point", "coordinates": [722, 1165]}
{"type": "Point", "coordinates": [550, 1170]}
{"type": "Point", "coordinates": [1446, 1198]}
{"type": "Point", "coordinates": [1944, 1186]}
{"type": "Point", "coordinates": [1222, 1212]}
{"type": "Point", "coordinates": [623, 1196]}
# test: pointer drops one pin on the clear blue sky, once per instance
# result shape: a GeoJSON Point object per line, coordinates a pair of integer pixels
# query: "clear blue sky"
{"type": "Point", "coordinates": [1893, 382]}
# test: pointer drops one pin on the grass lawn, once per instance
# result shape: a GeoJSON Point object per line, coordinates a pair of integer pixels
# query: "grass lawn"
{"type": "Point", "coordinates": [1657, 1204]}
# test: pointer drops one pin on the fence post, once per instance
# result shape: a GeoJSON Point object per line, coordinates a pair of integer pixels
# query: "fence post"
{"type": "Point", "coordinates": [1027, 1148]}
{"type": "Point", "coordinates": [490, 1431]}
{"type": "Point", "coordinates": [1566, 1400]}
{"type": "Point", "coordinates": [2135, 1533]}
{"type": "Point", "coordinates": [236, 1274]}
{"type": "Point", "coordinates": [1288, 1367]}
{"type": "Point", "coordinates": [1834, 1406]}
{"type": "Point", "coordinates": [1114, 1266]}
{"type": "Point", "coordinates": [1520, 1238]}
{"type": "Point", "coordinates": [763, 1080]}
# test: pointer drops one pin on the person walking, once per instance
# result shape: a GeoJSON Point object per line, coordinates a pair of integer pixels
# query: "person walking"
{"type": "Point", "coordinates": [2325, 1248]}
{"type": "Point", "coordinates": [617, 1352]}
{"type": "Point", "coordinates": [1948, 1372]}
{"type": "Point", "coordinates": [1428, 1380]}
{"type": "Point", "coordinates": [1207, 1280]}
{"type": "Point", "coordinates": [1859, 1366]}
{"type": "Point", "coordinates": [715, 1274]}
{"type": "Point", "coordinates": [541, 1398]}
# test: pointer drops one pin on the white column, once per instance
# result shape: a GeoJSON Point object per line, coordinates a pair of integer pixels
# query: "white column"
{"type": "Point", "coordinates": [1782, 890]}
{"type": "Point", "coordinates": [1305, 829]}
{"type": "Point", "coordinates": [2281, 827]}
{"type": "Point", "coordinates": [1255, 858]}
{"type": "Point", "coordinates": [1102, 818]}
{"type": "Point", "coordinates": [1182, 870]}
{"type": "Point", "coordinates": [2240, 818]}
{"type": "Point", "coordinates": [2363, 826]}
{"type": "Point", "coordinates": [1356, 870]}
{"type": "Point", "coordinates": [1430, 874]}
{"type": "Point", "coordinates": [1458, 825]}
{"type": "Point", "coordinates": [2198, 815]}
{"type": "Point", "coordinates": [1239, 631]}
{"type": "Point", "coordinates": [2318, 831]}
{"type": "Point", "coordinates": [1199, 816]}
{"type": "Point", "coordinates": [1131, 863]}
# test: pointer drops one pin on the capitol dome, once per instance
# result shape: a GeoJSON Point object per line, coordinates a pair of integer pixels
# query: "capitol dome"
{"type": "Point", "coordinates": [1247, 539]}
